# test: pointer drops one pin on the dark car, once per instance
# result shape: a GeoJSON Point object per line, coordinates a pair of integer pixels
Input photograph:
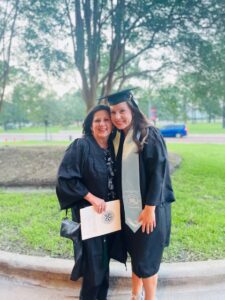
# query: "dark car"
{"type": "Point", "coordinates": [174, 130]}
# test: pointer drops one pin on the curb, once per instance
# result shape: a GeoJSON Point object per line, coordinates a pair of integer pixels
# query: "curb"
{"type": "Point", "coordinates": [47, 271]}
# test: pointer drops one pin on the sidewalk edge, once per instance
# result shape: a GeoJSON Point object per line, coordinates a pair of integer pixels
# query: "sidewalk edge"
{"type": "Point", "coordinates": [55, 271]}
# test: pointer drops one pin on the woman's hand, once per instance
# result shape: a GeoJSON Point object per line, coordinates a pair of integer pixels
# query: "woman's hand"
{"type": "Point", "coordinates": [98, 203]}
{"type": "Point", "coordinates": [147, 218]}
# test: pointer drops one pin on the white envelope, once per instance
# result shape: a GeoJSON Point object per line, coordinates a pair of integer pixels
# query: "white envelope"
{"type": "Point", "coordinates": [94, 224]}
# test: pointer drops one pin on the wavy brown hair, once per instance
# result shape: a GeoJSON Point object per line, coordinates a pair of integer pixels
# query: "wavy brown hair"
{"type": "Point", "coordinates": [140, 124]}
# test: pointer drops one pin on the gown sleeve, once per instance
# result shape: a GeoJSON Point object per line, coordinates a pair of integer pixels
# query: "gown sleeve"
{"type": "Point", "coordinates": [70, 188]}
{"type": "Point", "coordinates": [157, 164]}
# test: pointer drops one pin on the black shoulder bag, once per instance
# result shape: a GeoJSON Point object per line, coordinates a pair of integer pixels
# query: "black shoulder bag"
{"type": "Point", "coordinates": [69, 229]}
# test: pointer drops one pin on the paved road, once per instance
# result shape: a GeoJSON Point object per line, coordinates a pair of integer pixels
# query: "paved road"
{"type": "Point", "coordinates": [210, 292]}
{"type": "Point", "coordinates": [67, 136]}
{"type": "Point", "coordinates": [11, 289]}
{"type": "Point", "coordinates": [199, 139]}
{"type": "Point", "coordinates": [20, 137]}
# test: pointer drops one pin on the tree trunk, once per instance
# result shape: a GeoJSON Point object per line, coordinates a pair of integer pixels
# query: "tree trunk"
{"type": "Point", "coordinates": [7, 53]}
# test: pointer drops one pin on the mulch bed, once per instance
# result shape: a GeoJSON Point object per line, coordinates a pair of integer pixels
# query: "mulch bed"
{"type": "Point", "coordinates": [37, 166]}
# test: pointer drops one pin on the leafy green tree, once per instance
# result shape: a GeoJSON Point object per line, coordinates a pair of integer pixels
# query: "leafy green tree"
{"type": "Point", "coordinates": [46, 109]}
{"type": "Point", "coordinates": [106, 36]}
{"type": "Point", "coordinates": [27, 102]}
{"type": "Point", "coordinates": [8, 17]}
{"type": "Point", "coordinates": [72, 109]}
{"type": "Point", "coordinates": [170, 103]}
{"type": "Point", "coordinates": [207, 78]}
{"type": "Point", "coordinates": [6, 116]}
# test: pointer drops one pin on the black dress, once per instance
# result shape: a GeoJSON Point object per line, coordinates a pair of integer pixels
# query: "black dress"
{"type": "Point", "coordinates": [88, 168]}
{"type": "Point", "coordinates": [146, 249]}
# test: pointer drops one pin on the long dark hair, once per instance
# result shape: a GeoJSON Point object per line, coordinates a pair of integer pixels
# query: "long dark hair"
{"type": "Point", "coordinates": [140, 125]}
{"type": "Point", "coordinates": [90, 116]}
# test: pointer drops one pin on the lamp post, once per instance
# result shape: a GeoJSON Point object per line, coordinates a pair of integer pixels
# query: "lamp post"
{"type": "Point", "coordinates": [46, 129]}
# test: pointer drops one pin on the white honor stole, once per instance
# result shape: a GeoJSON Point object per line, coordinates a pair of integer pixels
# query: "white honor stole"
{"type": "Point", "coordinates": [132, 200]}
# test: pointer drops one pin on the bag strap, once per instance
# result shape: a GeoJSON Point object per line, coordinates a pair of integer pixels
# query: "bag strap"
{"type": "Point", "coordinates": [66, 214]}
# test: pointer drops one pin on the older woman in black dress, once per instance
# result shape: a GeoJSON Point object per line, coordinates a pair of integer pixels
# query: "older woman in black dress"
{"type": "Point", "coordinates": [86, 177]}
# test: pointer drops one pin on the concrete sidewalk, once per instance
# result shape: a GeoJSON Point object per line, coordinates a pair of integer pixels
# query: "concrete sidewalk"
{"type": "Point", "coordinates": [53, 271]}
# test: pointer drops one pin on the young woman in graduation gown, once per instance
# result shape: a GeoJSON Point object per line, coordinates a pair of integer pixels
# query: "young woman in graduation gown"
{"type": "Point", "coordinates": [144, 185]}
{"type": "Point", "coordinates": [86, 177]}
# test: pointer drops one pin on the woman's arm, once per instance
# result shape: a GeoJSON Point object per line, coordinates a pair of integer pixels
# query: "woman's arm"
{"type": "Point", "coordinates": [155, 161]}
{"type": "Point", "coordinates": [70, 188]}
{"type": "Point", "coordinates": [98, 203]}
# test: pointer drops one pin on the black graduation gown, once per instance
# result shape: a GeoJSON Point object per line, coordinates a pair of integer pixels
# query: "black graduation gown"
{"type": "Point", "coordinates": [156, 190]}
{"type": "Point", "coordinates": [82, 170]}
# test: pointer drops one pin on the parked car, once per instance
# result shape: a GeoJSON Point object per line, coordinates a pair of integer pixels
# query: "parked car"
{"type": "Point", "coordinates": [174, 130]}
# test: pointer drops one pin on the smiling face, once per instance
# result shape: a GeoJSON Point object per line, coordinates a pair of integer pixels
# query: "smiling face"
{"type": "Point", "coordinates": [121, 116]}
{"type": "Point", "coordinates": [101, 125]}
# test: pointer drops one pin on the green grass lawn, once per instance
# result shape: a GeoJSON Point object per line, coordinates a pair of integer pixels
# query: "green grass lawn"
{"type": "Point", "coordinates": [30, 222]}
{"type": "Point", "coordinates": [198, 230]}
{"type": "Point", "coordinates": [204, 128]}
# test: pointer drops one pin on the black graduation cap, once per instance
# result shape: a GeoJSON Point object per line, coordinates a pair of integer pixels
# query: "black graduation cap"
{"type": "Point", "coordinates": [121, 96]}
